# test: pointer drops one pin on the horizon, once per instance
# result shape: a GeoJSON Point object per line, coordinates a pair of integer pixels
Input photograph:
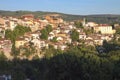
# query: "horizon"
{"type": "Point", "coordinates": [62, 13]}
{"type": "Point", "coordinates": [78, 7]}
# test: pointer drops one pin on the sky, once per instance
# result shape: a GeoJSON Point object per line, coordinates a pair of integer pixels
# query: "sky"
{"type": "Point", "coordinates": [78, 7]}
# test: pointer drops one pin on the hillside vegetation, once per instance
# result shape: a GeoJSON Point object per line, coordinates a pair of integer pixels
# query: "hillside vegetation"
{"type": "Point", "coordinates": [104, 18]}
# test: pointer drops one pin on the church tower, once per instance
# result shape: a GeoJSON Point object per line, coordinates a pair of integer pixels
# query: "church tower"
{"type": "Point", "coordinates": [84, 21]}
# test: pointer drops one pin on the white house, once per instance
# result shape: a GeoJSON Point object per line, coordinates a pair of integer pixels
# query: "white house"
{"type": "Point", "coordinates": [104, 29]}
{"type": "Point", "coordinates": [12, 24]}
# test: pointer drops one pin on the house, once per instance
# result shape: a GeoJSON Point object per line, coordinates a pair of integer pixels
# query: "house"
{"type": "Point", "coordinates": [36, 42]}
{"type": "Point", "coordinates": [51, 36]}
{"type": "Point", "coordinates": [89, 42]}
{"type": "Point", "coordinates": [98, 40]}
{"type": "Point", "coordinates": [107, 37]}
{"type": "Point", "coordinates": [54, 19]}
{"type": "Point", "coordinates": [61, 35]}
{"type": "Point", "coordinates": [68, 40]}
{"type": "Point", "coordinates": [27, 17]}
{"type": "Point", "coordinates": [82, 36]}
{"type": "Point", "coordinates": [2, 32]}
{"type": "Point", "coordinates": [89, 37]}
{"type": "Point", "coordinates": [2, 22]}
{"type": "Point", "coordinates": [27, 36]}
{"type": "Point", "coordinates": [59, 38]}
{"type": "Point", "coordinates": [90, 24]}
{"type": "Point", "coordinates": [56, 31]}
{"type": "Point", "coordinates": [42, 23]}
{"type": "Point", "coordinates": [19, 42]}
{"type": "Point", "coordinates": [67, 31]}
{"type": "Point", "coordinates": [63, 47]}
{"type": "Point", "coordinates": [5, 45]}
{"type": "Point", "coordinates": [11, 24]}
{"type": "Point", "coordinates": [35, 35]}
{"type": "Point", "coordinates": [36, 24]}
{"type": "Point", "coordinates": [71, 26]}
{"type": "Point", "coordinates": [104, 29]}
{"type": "Point", "coordinates": [43, 44]}
{"type": "Point", "coordinates": [59, 45]}
{"type": "Point", "coordinates": [27, 23]}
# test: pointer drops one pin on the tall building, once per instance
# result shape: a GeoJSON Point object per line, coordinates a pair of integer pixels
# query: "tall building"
{"type": "Point", "coordinates": [84, 22]}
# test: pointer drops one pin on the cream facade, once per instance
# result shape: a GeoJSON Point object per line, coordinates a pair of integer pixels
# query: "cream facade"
{"type": "Point", "coordinates": [104, 29]}
{"type": "Point", "coordinates": [19, 43]}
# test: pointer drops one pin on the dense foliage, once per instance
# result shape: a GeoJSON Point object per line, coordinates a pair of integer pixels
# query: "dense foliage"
{"type": "Point", "coordinates": [74, 35]}
{"type": "Point", "coordinates": [45, 32]}
{"type": "Point", "coordinates": [118, 31]}
{"type": "Point", "coordinates": [78, 24]}
{"type": "Point", "coordinates": [17, 32]}
{"type": "Point", "coordinates": [77, 63]}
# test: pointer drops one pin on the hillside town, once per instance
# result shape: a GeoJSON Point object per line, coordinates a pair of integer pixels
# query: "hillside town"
{"type": "Point", "coordinates": [59, 37]}
{"type": "Point", "coordinates": [60, 40]}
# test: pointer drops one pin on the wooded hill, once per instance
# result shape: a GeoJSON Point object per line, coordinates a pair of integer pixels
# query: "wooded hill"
{"type": "Point", "coordinates": [99, 18]}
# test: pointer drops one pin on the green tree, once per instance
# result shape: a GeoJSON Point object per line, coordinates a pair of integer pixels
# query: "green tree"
{"type": "Point", "coordinates": [2, 56]}
{"type": "Point", "coordinates": [74, 35]}
{"type": "Point", "coordinates": [54, 39]}
{"type": "Point", "coordinates": [18, 31]}
{"type": "Point", "coordinates": [8, 34]}
{"type": "Point", "coordinates": [78, 24]}
{"type": "Point", "coordinates": [21, 30]}
{"type": "Point", "coordinates": [44, 34]}
{"type": "Point", "coordinates": [118, 31]}
{"type": "Point", "coordinates": [49, 28]}
{"type": "Point", "coordinates": [88, 31]}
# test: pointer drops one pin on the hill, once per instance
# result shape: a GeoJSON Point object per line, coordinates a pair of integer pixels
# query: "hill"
{"type": "Point", "coordinates": [101, 18]}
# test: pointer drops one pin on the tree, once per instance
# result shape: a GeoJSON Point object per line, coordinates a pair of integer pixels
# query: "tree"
{"type": "Point", "coordinates": [49, 28]}
{"type": "Point", "coordinates": [8, 34]}
{"type": "Point", "coordinates": [54, 39]}
{"type": "Point", "coordinates": [88, 31]}
{"type": "Point", "coordinates": [118, 31]}
{"type": "Point", "coordinates": [13, 35]}
{"type": "Point", "coordinates": [78, 24]}
{"type": "Point", "coordinates": [44, 34]}
{"type": "Point", "coordinates": [21, 30]}
{"type": "Point", "coordinates": [18, 31]}
{"type": "Point", "coordinates": [2, 56]}
{"type": "Point", "coordinates": [74, 35]}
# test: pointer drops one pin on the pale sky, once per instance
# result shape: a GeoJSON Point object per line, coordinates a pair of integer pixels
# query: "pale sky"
{"type": "Point", "coordinates": [80, 7]}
